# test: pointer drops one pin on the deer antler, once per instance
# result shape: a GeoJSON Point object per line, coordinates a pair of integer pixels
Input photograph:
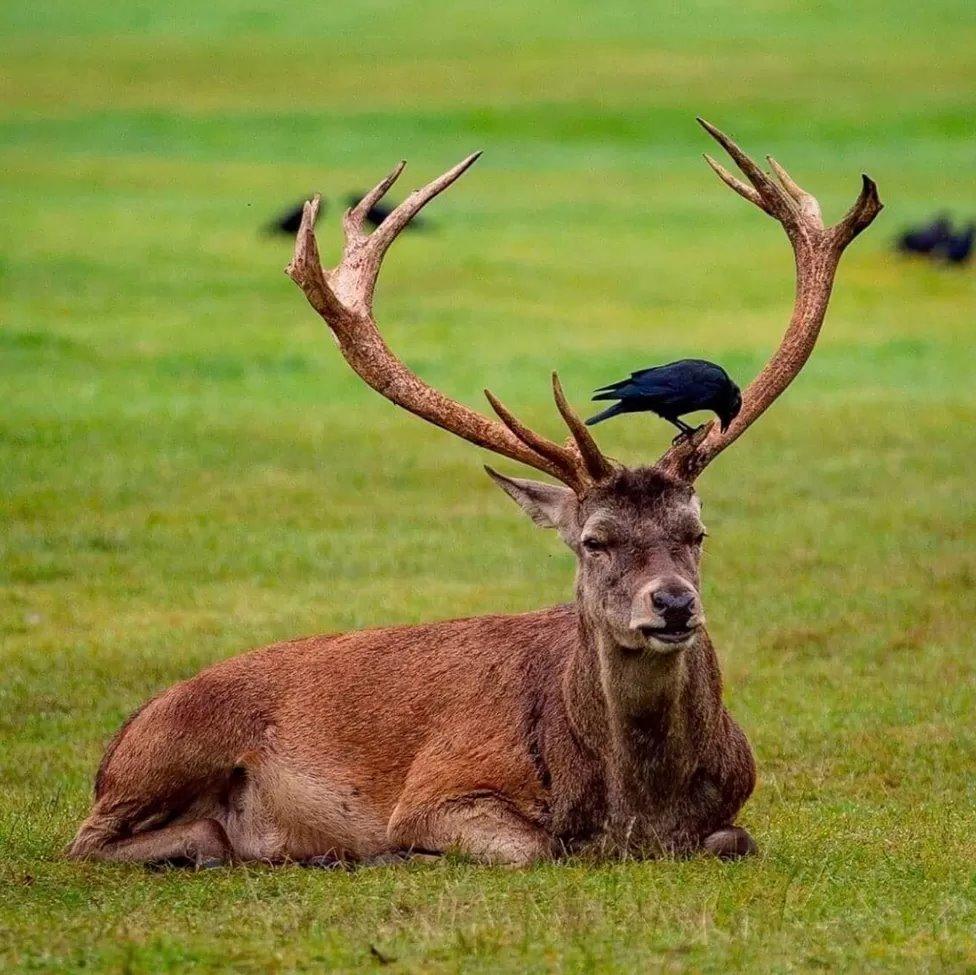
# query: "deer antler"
{"type": "Point", "coordinates": [344, 298]}
{"type": "Point", "coordinates": [818, 251]}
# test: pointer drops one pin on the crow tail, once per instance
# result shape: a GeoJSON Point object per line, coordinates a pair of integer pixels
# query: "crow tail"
{"type": "Point", "coordinates": [611, 387]}
{"type": "Point", "coordinates": [614, 410]}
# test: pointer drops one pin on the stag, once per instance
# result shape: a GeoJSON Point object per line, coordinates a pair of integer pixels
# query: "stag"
{"type": "Point", "coordinates": [593, 727]}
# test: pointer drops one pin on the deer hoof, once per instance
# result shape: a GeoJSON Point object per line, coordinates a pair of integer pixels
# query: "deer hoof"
{"type": "Point", "coordinates": [731, 843]}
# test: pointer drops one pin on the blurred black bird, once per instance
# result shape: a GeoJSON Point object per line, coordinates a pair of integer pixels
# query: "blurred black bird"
{"type": "Point", "coordinates": [671, 391]}
{"type": "Point", "coordinates": [378, 212]}
{"type": "Point", "coordinates": [924, 240]}
{"type": "Point", "coordinates": [291, 219]}
{"type": "Point", "coordinates": [959, 247]}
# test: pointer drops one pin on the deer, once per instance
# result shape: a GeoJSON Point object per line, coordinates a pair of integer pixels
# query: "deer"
{"type": "Point", "coordinates": [595, 728]}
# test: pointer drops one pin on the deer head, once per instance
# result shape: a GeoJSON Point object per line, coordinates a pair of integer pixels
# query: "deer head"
{"type": "Point", "coordinates": [637, 536]}
{"type": "Point", "coordinates": [637, 533]}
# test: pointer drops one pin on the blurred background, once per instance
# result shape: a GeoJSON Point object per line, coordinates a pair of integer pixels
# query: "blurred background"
{"type": "Point", "coordinates": [188, 468]}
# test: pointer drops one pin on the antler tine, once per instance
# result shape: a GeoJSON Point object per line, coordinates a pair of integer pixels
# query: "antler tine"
{"type": "Point", "coordinates": [744, 190]}
{"type": "Point", "coordinates": [344, 299]}
{"type": "Point", "coordinates": [771, 196]}
{"type": "Point", "coordinates": [352, 221]}
{"type": "Point", "coordinates": [585, 465]}
{"type": "Point", "coordinates": [595, 463]}
{"type": "Point", "coordinates": [305, 267]}
{"type": "Point", "coordinates": [386, 233]}
{"type": "Point", "coordinates": [549, 449]}
{"type": "Point", "coordinates": [355, 278]}
{"type": "Point", "coordinates": [808, 204]}
{"type": "Point", "coordinates": [866, 207]}
{"type": "Point", "coordinates": [817, 252]}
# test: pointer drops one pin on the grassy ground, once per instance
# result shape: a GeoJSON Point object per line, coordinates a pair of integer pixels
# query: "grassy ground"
{"type": "Point", "coordinates": [187, 469]}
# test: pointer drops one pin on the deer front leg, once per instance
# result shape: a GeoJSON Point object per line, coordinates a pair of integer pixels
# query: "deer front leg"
{"type": "Point", "coordinates": [481, 801]}
{"type": "Point", "coordinates": [721, 789]}
{"type": "Point", "coordinates": [483, 826]}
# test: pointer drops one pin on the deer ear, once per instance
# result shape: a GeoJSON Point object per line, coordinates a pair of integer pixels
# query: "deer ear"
{"type": "Point", "coordinates": [548, 505]}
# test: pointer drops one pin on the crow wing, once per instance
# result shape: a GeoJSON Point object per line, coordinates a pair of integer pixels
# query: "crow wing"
{"type": "Point", "coordinates": [675, 387]}
{"type": "Point", "coordinates": [621, 383]}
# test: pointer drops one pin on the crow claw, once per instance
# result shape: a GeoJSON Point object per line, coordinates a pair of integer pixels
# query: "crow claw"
{"type": "Point", "coordinates": [686, 435]}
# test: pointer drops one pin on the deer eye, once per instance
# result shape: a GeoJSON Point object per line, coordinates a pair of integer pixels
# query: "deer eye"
{"type": "Point", "coordinates": [699, 539]}
{"type": "Point", "coordinates": [594, 545]}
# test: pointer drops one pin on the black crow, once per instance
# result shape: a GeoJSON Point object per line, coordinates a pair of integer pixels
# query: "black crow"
{"type": "Point", "coordinates": [290, 220]}
{"type": "Point", "coordinates": [671, 391]}
{"type": "Point", "coordinates": [378, 212]}
{"type": "Point", "coordinates": [924, 240]}
{"type": "Point", "coordinates": [959, 247]}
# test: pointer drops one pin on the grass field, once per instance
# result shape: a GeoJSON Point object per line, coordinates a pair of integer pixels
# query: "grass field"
{"type": "Point", "coordinates": [187, 468]}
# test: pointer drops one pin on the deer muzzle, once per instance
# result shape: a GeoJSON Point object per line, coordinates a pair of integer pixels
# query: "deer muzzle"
{"type": "Point", "coordinates": [667, 612]}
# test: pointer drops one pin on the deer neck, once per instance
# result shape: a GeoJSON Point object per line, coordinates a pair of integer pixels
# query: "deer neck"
{"type": "Point", "coordinates": [643, 714]}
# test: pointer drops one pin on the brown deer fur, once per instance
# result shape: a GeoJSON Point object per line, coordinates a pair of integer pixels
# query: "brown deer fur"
{"type": "Point", "coordinates": [506, 737]}
{"type": "Point", "coordinates": [597, 726]}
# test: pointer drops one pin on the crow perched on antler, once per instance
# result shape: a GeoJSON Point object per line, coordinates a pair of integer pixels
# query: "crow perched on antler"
{"type": "Point", "coordinates": [671, 391]}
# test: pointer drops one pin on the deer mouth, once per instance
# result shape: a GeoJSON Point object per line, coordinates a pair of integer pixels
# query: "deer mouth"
{"type": "Point", "coordinates": [671, 635]}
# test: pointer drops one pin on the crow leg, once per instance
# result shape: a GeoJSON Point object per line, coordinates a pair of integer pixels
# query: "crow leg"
{"type": "Point", "coordinates": [686, 431]}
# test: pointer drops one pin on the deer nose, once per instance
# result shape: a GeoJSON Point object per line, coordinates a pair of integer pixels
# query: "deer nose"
{"type": "Point", "coordinates": [675, 605]}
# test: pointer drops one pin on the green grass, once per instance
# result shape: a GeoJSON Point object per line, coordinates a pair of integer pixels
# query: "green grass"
{"type": "Point", "coordinates": [188, 469]}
